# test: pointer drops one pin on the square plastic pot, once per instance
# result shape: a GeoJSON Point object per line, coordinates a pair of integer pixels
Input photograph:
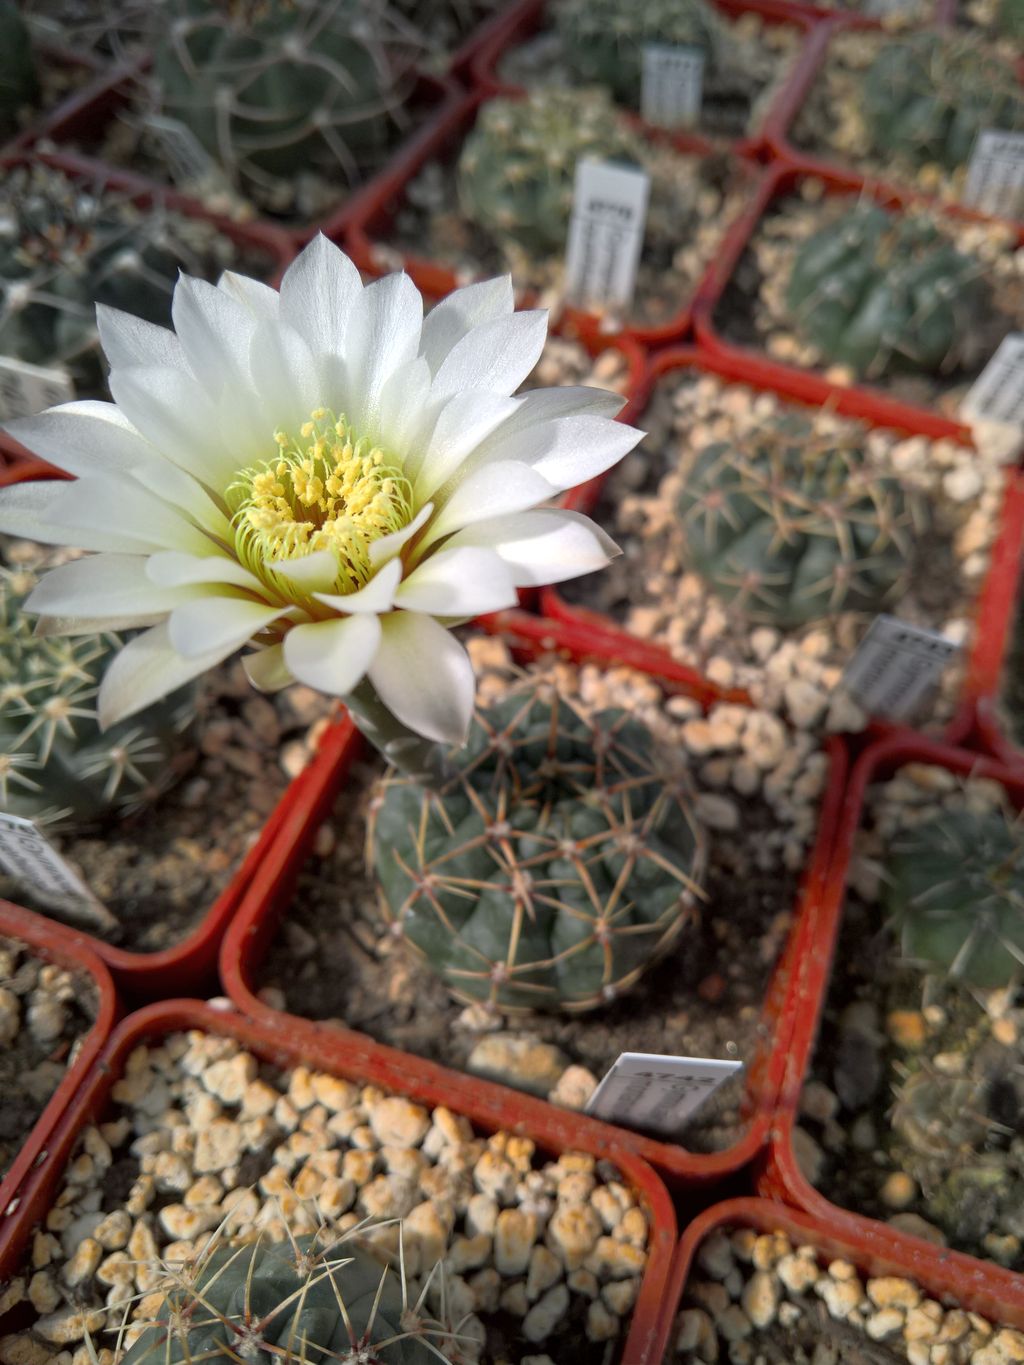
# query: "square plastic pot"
{"type": "Point", "coordinates": [780, 1176]}
{"type": "Point", "coordinates": [858, 400]}
{"type": "Point", "coordinates": [252, 931]}
{"type": "Point", "coordinates": [62, 946]}
{"type": "Point", "coordinates": [488, 1107]}
{"type": "Point", "coordinates": [369, 219]}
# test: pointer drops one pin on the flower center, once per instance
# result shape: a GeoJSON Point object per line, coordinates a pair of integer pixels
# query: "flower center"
{"type": "Point", "coordinates": [327, 490]}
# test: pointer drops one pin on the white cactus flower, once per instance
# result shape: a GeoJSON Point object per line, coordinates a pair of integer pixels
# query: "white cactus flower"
{"type": "Point", "coordinates": [321, 473]}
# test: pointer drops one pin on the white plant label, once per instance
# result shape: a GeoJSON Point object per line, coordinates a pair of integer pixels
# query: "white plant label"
{"type": "Point", "coordinates": [672, 85]}
{"type": "Point", "coordinates": [606, 233]}
{"type": "Point", "coordinates": [28, 389]}
{"type": "Point", "coordinates": [995, 174]}
{"type": "Point", "coordinates": [29, 858]}
{"type": "Point", "coordinates": [895, 667]}
{"type": "Point", "coordinates": [645, 1090]}
{"type": "Point", "coordinates": [997, 395]}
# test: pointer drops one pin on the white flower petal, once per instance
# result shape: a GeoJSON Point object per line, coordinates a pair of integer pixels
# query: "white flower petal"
{"type": "Point", "coordinates": [547, 545]}
{"type": "Point", "coordinates": [461, 311]}
{"type": "Point", "coordinates": [498, 355]}
{"type": "Point", "coordinates": [105, 505]}
{"type": "Point", "coordinates": [103, 585]}
{"type": "Point", "coordinates": [147, 669]}
{"type": "Point", "coordinates": [27, 509]}
{"type": "Point", "coordinates": [96, 625]}
{"type": "Point", "coordinates": [491, 491]}
{"type": "Point", "coordinates": [172, 484]}
{"type": "Point", "coordinates": [383, 335]}
{"type": "Point", "coordinates": [172, 569]}
{"type": "Point", "coordinates": [459, 582]}
{"type": "Point", "coordinates": [388, 546]}
{"type": "Point", "coordinates": [424, 677]}
{"type": "Point", "coordinates": [312, 573]}
{"type": "Point", "coordinates": [215, 623]}
{"type": "Point", "coordinates": [175, 415]}
{"type": "Point", "coordinates": [267, 670]}
{"type": "Point", "coordinates": [128, 340]}
{"type": "Point", "coordinates": [332, 656]}
{"type": "Point", "coordinates": [465, 421]}
{"type": "Point", "coordinates": [86, 437]}
{"type": "Point", "coordinates": [317, 293]}
{"type": "Point", "coordinates": [215, 331]}
{"type": "Point", "coordinates": [404, 413]}
{"type": "Point", "coordinates": [569, 400]}
{"type": "Point", "coordinates": [260, 299]}
{"type": "Point", "coordinates": [285, 376]}
{"type": "Point", "coordinates": [376, 597]}
{"type": "Point", "coordinates": [570, 450]}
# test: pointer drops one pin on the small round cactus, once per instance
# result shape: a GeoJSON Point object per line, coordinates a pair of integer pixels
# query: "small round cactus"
{"type": "Point", "coordinates": [560, 859]}
{"type": "Point", "coordinates": [517, 167]}
{"type": "Point", "coordinates": [955, 889]}
{"type": "Point", "coordinates": [884, 292]}
{"type": "Point", "coordinates": [795, 527]}
{"type": "Point", "coordinates": [56, 765]}
{"type": "Point", "coordinates": [926, 97]}
{"type": "Point", "coordinates": [19, 83]}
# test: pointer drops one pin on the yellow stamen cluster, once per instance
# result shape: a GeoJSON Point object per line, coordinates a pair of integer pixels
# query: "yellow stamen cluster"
{"type": "Point", "coordinates": [328, 490]}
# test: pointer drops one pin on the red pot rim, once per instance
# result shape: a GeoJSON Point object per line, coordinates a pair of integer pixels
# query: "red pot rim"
{"type": "Point", "coordinates": [285, 1046]}
{"type": "Point", "coordinates": [373, 207]}
{"type": "Point", "coordinates": [252, 929]}
{"type": "Point", "coordinates": [857, 399]}
{"type": "Point", "coordinates": [997, 1299]}
{"type": "Point", "coordinates": [781, 1176]}
{"type": "Point", "coordinates": [73, 950]}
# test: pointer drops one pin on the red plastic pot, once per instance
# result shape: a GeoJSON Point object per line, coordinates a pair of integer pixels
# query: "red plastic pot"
{"type": "Point", "coordinates": [271, 889]}
{"type": "Point", "coordinates": [370, 216]}
{"type": "Point", "coordinates": [526, 16]}
{"type": "Point", "coordinates": [810, 385]}
{"type": "Point", "coordinates": [781, 1176]}
{"type": "Point", "coordinates": [997, 1299]}
{"type": "Point", "coordinates": [54, 943]}
{"type": "Point", "coordinates": [278, 1042]}
{"type": "Point", "coordinates": [995, 604]}
{"type": "Point", "coordinates": [778, 125]}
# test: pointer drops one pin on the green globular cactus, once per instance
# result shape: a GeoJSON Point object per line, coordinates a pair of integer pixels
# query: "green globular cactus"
{"type": "Point", "coordinates": [603, 40]}
{"type": "Point", "coordinates": [955, 890]}
{"type": "Point", "coordinates": [19, 83]}
{"type": "Point", "coordinates": [517, 167]}
{"type": "Point", "coordinates": [56, 765]}
{"type": "Point", "coordinates": [559, 859]}
{"type": "Point", "coordinates": [884, 292]}
{"type": "Point", "coordinates": [272, 87]}
{"type": "Point", "coordinates": [794, 527]}
{"type": "Point", "coordinates": [927, 97]}
{"type": "Point", "coordinates": [1010, 19]}
{"type": "Point", "coordinates": [296, 1301]}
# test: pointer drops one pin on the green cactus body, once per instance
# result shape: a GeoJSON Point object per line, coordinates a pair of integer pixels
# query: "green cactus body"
{"type": "Point", "coordinates": [882, 292]}
{"type": "Point", "coordinates": [927, 97]}
{"type": "Point", "coordinates": [1010, 19]}
{"type": "Point", "coordinates": [794, 528]}
{"type": "Point", "coordinates": [287, 1301]}
{"type": "Point", "coordinates": [55, 762]}
{"type": "Point", "coordinates": [603, 40]}
{"type": "Point", "coordinates": [955, 889]}
{"type": "Point", "coordinates": [19, 83]}
{"type": "Point", "coordinates": [273, 87]}
{"type": "Point", "coordinates": [558, 861]}
{"type": "Point", "coordinates": [517, 167]}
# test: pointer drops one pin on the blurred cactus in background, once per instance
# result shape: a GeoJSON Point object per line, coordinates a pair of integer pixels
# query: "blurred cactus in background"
{"type": "Point", "coordinates": [19, 81]}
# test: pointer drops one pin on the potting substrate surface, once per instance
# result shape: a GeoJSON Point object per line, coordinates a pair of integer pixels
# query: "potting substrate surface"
{"type": "Point", "coordinates": [333, 958]}
{"type": "Point", "coordinates": [202, 1139]}
{"type": "Point", "coordinates": [913, 1109]}
{"type": "Point", "coordinates": [45, 1012]}
{"type": "Point", "coordinates": [757, 1297]}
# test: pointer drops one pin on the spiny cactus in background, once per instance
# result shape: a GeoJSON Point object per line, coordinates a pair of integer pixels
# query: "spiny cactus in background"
{"type": "Point", "coordinates": [112, 28]}
{"type": "Point", "coordinates": [955, 890]}
{"type": "Point", "coordinates": [19, 83]}
{"type": "Point", "coordinates": [938, 1116]}
{"type": "Point", "coordinates": [305, 1300]}
{"type": "Point", "coordinates": [1010, 19]}
{"type": "Point", "coordinates": [55, 762]}
{"type": "Point", "coordinates": [795, 527]}
{"type": "Point", "coordinates": [603, 40]}
{"type": "Point", "coordinates": [277, 86]}
{"type": "Point", "coordinates": [516, 171]}
{"type": "Point", "coordinates": [443, 24]}
{"type": "Point", "coordinates": [928, 96]}
{"type": "Point", "coordinates": [882, 292]}
{"type": "Point", "coordinates": [557, 862]}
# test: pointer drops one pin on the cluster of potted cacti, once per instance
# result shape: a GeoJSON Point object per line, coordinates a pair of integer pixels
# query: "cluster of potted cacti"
{"type": "Point", "coordinates": [453, 683]}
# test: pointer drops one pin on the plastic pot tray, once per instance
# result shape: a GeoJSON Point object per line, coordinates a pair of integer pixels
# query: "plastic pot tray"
{"type": "Point", "coordinates": [858, 400]}
{"type": "Point", "coordinates": [354, 1058]}
{"type": "Point", "coordinates": [370, 215]}
{"type": "Point", "coordinates": [62, 946]}
{"type": "Point", "coordinates": [270, 892]}
{"type": "Point", "coordinates": [781, 1177]}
